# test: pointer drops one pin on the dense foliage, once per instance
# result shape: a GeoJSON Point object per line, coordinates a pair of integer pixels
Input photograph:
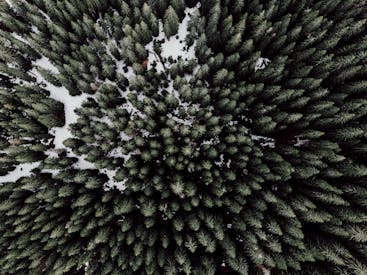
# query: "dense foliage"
{"type": "Point", "coordinates": [247, 156]}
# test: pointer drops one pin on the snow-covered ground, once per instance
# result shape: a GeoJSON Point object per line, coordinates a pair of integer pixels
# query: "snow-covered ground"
{"type": "Point", "coordinates": [22, 170]}
{"type": "Point", "coordinates": [62, 95]}
{"type": "Point", "coordinates": [71, 103]}
{"type": "Point", "coordinates": [261, 63]}
{"type": "Point", "coordinates": [119, 185]}
{"type": "Point", "coordinates": [60, 133]}
{"type": "Point", "coordinates": [173, 46]}
{"type": "Point", "coordinates": [264, 141]}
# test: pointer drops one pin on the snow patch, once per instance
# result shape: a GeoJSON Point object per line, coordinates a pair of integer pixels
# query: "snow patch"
{"type": "Point", "coordinates": [71, 103]}
{"type": "Point", "coordinates": [124, 136]}
{"type": "Point", "coordinates": [116, 153]}
{"type": "Point", "coordinates": [173, 46]}
{"type": "Point", "coordinates": [152, 56]}
{"type": "Point", "coordinates": [212, 141]}
{"type": "Point", "coordinates": [120, 64]}
{"type": "Point", "coordinates": [264, 141]}
{"type": "Point", "coordinates": [220, 163]}
{"type": "Point", "coordinates": [261, 63]}
{"type": "Point", "coordinates": [301, 142]}
{"type": "Point", "coordinates": [22, 170]}
{"type": "Point", "coordinates": [82, 163]}
{"type": "Point", "coordinates": [20, 38]}
{"type": "Point", "coordinates": [228, 164]}
{"type": "Point", "coordinates": [9, 3]}
{"type": "Point", "coordinates": [112, 184]}
{"type": "Point", "coordinates": [53, 172]}
{"type": "Point", "coordinates": [35, 29]}
{"type": "Point", "coordinates": [45, 63]}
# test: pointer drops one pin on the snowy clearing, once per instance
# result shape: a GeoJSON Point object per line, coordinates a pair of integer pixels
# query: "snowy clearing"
{"type": "Point", "coordinates": [172, 46]}
{"type": "Point", "coordinates": [22, 170]}
{"type": "Point", "coordinates": [71, 103]}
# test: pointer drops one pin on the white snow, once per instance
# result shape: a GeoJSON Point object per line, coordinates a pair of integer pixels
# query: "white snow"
{"type": "Point", "coordinates": [120, 64]}
{"type": "Point", "coordinates": [60, 133]}
{"type": "Point", "coordinates": [152, 55]}
{"type": "Point", "coordinates": [119, 185]}
{"type": "Point", "coordinates": [45, 63]}
{"type": "Point", "coordinates": [53, 172]}
{"type": "Point", "coordinates": [261, 63]}
{"type": "Point", "coordinates": [301, 142]}
{"type": "Point", "coordinates": [17, 36]}
{"type": "Point", "coordinates": [212, 141]}
{"type": "Point", "coordinates": [82, 162]}
{"type": "Point", "coordinates": [62, 95]}
{"type": "Point", "coordinates": [116, 153]}
{"type": "Point", "coordinates": [71, 103]}
{"type": "Point", "coordinates": [9, 3]}
{"type": "Point", "coordinates": [124, 136]}
{"type": "Point", "coordinates": [220, 162]}
{"type": "Point", "coordinates": [22, 170]}
{"type": "Point", "coordinates": [171, 47]}
{"type": "Point", "coordinates": [35, 29]}
{"type": "Point", "coordinates": [264, 141]}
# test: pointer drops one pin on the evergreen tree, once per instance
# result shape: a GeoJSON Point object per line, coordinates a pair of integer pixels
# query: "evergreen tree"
{"type": "Point", "coordinates": [170, 22]}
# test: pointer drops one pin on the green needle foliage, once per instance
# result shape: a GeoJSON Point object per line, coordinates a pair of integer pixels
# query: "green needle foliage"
{"type": "Point", "coordinates": [247, 157]}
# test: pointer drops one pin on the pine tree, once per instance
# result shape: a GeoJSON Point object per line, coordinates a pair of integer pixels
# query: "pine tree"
{"type": "Point", "coordinates": [179, 7]}
{"type": "Point", "coordinates": [170, 22]}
